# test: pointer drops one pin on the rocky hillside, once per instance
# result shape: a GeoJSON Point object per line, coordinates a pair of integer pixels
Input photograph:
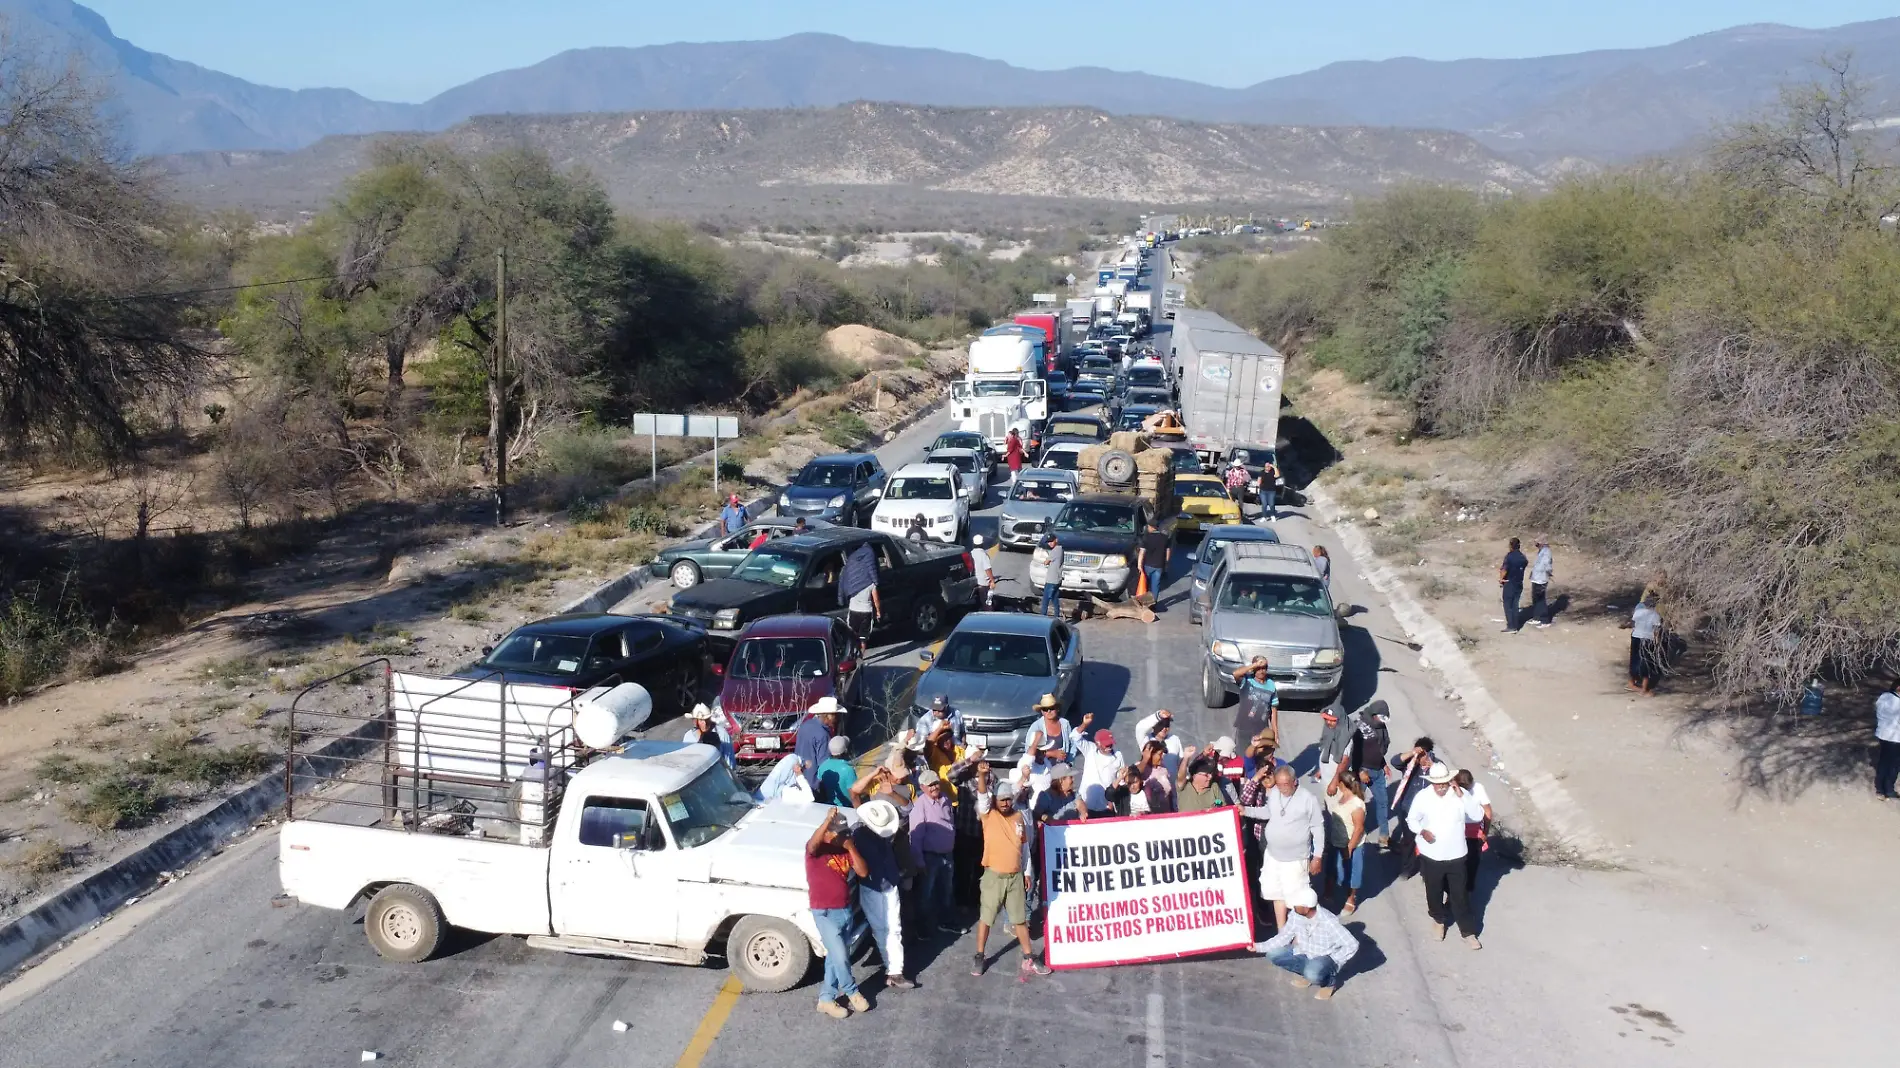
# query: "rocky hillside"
{"type": "Point", "coordinates": [650, 159]}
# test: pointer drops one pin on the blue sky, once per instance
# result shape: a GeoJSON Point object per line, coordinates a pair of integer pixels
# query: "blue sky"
{"type": "Point", "coordinates": [412, 49]}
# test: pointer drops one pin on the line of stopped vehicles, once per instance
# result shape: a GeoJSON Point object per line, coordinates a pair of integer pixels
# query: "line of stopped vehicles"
{"type": "Point", "coordinates": [537, 792]}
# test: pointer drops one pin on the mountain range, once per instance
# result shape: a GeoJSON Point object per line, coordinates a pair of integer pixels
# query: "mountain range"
{"type": "Point", "coordinates": [703, 162]}
{"type": "Point", "coordinates": [1603, 105]}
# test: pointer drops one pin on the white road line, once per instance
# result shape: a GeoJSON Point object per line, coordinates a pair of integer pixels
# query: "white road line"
{"type": "Point", "coordinates": [1157, 1030]}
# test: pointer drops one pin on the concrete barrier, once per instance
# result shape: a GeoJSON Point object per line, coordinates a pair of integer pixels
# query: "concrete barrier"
{"type": "Point", "coordinates": [96, 896]}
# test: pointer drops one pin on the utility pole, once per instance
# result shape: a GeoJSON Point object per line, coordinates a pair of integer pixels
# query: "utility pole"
{"type": "Point", "coordinates": [498, 419]}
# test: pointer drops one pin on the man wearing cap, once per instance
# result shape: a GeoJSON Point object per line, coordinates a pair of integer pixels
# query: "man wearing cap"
{"type": "Point", "coordinates": [1004, 886]}
{"type": "Point", "coordinates": [933, 840]}
{"type": "Point", "coordinates": [1059, 803]}
{"type": "Point", "coordinates": [812, 743]}
{"type": "Point", "coordinates": [878, 884]}
{"type": "Point", "coordinates": [732, 516]}
{"type": "Point", "coordinates": [836, 776]}
{"type": "Point", "coordinates": [1332, 741]}
{"type": "Point", "coordinates": [709, 731]}
{"type": "Point", "coordinates": [1293, 842]}
{"type": "Point", "coordinates": [1542, 567]}
{"type": "Point", "coordinates": [1199, 787]}
{"type": "Point", "coordinates": [1371, 741]}
{"type": "Point", "coordinates": [1102, 765]}
{"type": "Point", "coordinates": [831, 859]}
{"type": "Point", "coordinates": [1437, 816]}
{"type": "Point", "coordinates": [940, 712]}
{"type": "Point", "coordinates": [1312, 944]}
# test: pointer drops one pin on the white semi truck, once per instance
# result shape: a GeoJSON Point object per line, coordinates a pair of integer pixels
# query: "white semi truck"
{"type": "Point", "coordinates": [1003, 389]}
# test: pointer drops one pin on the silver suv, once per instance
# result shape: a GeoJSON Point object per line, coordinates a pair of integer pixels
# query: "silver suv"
{"type": "Point", "coordinates": [1266, 599]}
{"type": "Point", "coordinates": [1032, 503]}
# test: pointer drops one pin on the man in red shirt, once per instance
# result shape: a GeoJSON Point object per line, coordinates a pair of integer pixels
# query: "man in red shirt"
{"type": "Point", "coordinates": [1013, 452]}
{"type": "Point", "coordinates": [831, 859]}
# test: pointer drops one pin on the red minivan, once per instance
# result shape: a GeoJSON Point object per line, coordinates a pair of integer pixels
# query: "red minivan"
{"type": "Point", "coordinates": [779, 667]}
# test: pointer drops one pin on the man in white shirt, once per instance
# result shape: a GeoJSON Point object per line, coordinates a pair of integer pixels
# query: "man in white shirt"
{"type": "Point", "coordinates": [1437, 817]}
{"type": "Point", "coordinates": [1542, 567]}
{"type": "Point", "coordinates": [1887, 733]}
{"type": "Point", "coordinates": [1102, 764]}
{"type": "Point", "coordinates": [1645, 626]}
{"type": "Point", "coordinates": [984, 573]}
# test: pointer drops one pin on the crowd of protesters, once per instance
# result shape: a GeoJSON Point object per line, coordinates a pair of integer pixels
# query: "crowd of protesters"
{"type": "Point", "coordinates": [944, 834]}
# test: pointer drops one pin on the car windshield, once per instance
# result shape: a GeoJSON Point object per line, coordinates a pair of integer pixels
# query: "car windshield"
{"type": "Point", "coordinates": [545, 654]}
{"type": "Point", "coordinates": [1087, 428]}
{"type": "Point", "coordinates": [1199, 487]}
{"type": "Point", "coordinates": [769, 567]}
{"type": "Point", "coordinates": [1097, 363]}
{"type": "Point", "coordinates": [1252, 457]}
{"type": "Point", "coordinates": [1184, 460]}
{"type": "Point", "coordinates": [1146, 376]}
{"type": "Point", "coordinates": [965, 464]}
{"type": "Point", "coordinates": [1058, 378]}
{"type": "Point", "coordinates": [1275, 593]}
{"type": "Point", "coordinates": [780, 659]}
{"type": "Point", "coordinates": [707, 807]}
{"type": "Point", "coordinates": [1132, 417]}
{"type": "Point", "coordinates": [825, 476]}
{"type": "Point", "coordinates": [919, 488]}
{"type": "Point", "coordinates": [957, 439]}
{"type": "Point", "coordinates": [997, 389]}
{"type": "Point", "coordinates": [1062, 459]}
{"type": "Point", "coordinates": [1025, 655]}
{"type": "Point", "coordinates": [1042, 491]}
{"type": "Point", "coordinates": [1098, 518]}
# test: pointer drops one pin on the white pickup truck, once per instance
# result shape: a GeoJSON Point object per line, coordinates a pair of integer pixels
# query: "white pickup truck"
{"type": "Point", "coordinates": [655, 853]}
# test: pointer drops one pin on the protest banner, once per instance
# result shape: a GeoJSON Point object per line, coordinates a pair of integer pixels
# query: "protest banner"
{"type": "Point", "coordinates": [1125, 891]}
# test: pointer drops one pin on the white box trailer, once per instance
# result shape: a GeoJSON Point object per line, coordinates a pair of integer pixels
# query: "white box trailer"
{"type": "Point", "coordinates": [1232, 397]}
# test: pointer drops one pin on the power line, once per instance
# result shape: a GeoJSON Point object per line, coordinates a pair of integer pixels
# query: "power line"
{"type": "Point", "coordinates": [178, 293]}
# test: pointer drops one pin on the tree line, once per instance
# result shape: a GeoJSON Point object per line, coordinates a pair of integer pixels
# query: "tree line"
{"type": "Point", "coordinates": [1692, 367]}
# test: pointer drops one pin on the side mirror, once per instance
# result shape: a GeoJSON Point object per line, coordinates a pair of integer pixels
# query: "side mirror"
{"type": "Point", "coordinates": [926, 656]}
{"type": "Point", "coordinates": [488, 650]}
{"type": "Point", "coordinates": [846, 666]}
{"type": "Point", "coordinates": [1194, 556]}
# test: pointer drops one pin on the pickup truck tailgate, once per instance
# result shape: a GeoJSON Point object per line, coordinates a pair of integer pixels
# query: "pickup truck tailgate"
{"type": "Point", "coordinates": [482, 885]}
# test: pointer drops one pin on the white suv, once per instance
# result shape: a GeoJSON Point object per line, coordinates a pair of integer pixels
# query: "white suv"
{"type": "Point", "coordinates": [929, 491]}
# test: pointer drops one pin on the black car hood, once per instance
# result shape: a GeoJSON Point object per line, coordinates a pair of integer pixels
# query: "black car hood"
{"type": "Point", "coordinates": [728, 593]}
{"type": "Point", "coordinates": [1075, 541]}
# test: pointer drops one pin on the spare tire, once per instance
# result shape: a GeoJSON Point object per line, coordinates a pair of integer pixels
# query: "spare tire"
{"type": "Point", "coordinates": [1117, 468]}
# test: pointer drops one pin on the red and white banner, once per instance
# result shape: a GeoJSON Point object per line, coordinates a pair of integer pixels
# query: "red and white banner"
{"type": "Point", "coordinates": [1125, 891]}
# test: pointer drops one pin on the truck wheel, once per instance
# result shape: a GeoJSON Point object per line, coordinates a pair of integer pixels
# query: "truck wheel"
{"type": "Point", "coordinates": [1117, 468]}
{"type": "Point", "coordinates": [926, 618]}
{"type": "Point", "coordinates": [685, 574]}
{"type": "Point", "coordinates": [1213, 694]}
{"type": "Point", "coordinates": [768, 956]}
{"type": "Point", "coordinates": [405, 924]}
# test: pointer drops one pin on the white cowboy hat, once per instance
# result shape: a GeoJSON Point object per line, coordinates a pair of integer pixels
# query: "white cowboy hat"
{"type": "Point", "coordinates": [881, 816]}
{"type": "Point", "coordinates": [1441, 773]}
{"type": "Point", "coordinates": [826, 706]}
{"type": "Point", "coordinates": [700, 711]}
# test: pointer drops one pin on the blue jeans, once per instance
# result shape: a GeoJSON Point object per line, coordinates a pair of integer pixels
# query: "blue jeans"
{"type": "Point", "coordinates": [1379, 806]}
{"type": "Point", "coordinates": [833, 925]}
{"type": "Point", "coordinates": [1267, 497]}
{"type": "Point", "coordinates": [1051, 599]}
{"type": "Point", "coordinates": [936, 888]}
{"type": "Point", "coordinates": [1154, 580]}
{"type": "Point", "coordinates": [1318, 970]}
{"type": "Point", "coordinates": [1349, 869]}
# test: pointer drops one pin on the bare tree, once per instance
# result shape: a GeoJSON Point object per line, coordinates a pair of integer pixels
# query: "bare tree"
{"type": "Point", "coordinates": [80, 225]}
{"type": "Point", "coordinates": [1819, 144]}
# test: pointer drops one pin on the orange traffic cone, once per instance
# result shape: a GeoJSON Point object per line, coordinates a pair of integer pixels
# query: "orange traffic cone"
{"type": "Point", "coordinates": [1141, 584]}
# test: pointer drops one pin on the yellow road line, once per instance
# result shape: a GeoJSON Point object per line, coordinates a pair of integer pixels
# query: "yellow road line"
{"type": "Point", "coordinates": [711, 1025]}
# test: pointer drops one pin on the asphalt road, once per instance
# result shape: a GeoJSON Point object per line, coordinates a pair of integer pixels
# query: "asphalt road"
{"type": "Point", "coordinates": [208, 973]}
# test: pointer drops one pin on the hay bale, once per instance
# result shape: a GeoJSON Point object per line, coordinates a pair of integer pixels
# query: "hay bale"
{"type": "Point", "coordinates": [1154, 461]}
{"type": "Point", "coordinates": [1130, 441]}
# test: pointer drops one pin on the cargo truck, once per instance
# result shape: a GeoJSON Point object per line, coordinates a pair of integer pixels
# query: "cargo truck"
{"type": "Point", "coordinates": [1003, 389]}
{"type": "Point", "coordinates": [1051, 325]}
{"type": "Point", "coordinates": [1230, 390]}
{"type": "Point", "coordinates": [1081, 316]}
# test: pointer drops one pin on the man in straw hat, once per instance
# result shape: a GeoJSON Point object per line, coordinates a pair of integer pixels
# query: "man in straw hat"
{"type": "Point", "coordinates": [1312, 944]}
{"type": "Point", "coordinates": [877, 888]}
{"type": "Point", "coordinates": [1437, 817]}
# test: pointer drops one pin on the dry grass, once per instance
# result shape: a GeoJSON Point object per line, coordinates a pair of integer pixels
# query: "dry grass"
{"type": "Point", "coordinates": [42, 857]}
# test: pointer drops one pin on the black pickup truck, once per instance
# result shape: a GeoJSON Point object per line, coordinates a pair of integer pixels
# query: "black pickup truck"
{"type": "Point", "coordinates": [917, 582]}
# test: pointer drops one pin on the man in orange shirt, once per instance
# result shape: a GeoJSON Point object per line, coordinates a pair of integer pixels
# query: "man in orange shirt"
{"type": "Point", "coordinates": [1004, 886]}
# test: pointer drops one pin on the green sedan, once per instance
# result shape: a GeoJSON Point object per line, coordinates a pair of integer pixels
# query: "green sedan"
{"type": "Point", "coordinates": [693, 562]}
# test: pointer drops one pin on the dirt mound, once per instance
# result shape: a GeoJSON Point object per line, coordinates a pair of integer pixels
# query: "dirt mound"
{"type": "Point", "coordinates": [864, 344]}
